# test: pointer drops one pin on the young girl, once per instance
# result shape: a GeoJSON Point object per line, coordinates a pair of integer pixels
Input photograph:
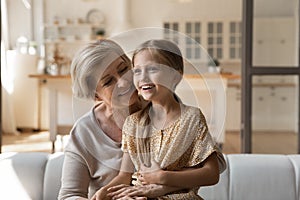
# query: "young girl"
{"type": "Point", "coordinates": [167, 143]}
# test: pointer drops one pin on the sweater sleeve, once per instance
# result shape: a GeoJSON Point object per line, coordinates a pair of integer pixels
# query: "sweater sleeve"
{"type": "Point", "coordinates": [75, 178]}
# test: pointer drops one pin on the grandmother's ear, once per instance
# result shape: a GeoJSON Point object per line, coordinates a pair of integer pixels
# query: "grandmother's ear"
{"type": "Point", "coordinates": [97, 97]}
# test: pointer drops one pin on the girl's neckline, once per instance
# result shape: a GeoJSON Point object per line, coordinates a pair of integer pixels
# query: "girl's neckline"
{"type": "Point", "coordinates": [183, 109]}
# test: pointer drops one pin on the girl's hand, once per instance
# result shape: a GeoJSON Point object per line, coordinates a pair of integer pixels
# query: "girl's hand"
{"type": "Point", "coordinates": [126, 192]}
{"type": "Point", "coordinates": [151, 175]}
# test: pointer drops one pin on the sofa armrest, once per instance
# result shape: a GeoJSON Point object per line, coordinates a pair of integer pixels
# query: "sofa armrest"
{"type": "Point", "coordinates": [22, 175]}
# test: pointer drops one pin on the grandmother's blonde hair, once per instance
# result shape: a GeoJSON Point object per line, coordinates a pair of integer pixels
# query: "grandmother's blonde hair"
{"type": "Point", "coordinates": [90, 62]}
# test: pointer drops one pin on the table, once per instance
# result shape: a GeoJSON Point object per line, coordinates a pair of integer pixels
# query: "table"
{"type": "Point", "coordinates": [54, 84]}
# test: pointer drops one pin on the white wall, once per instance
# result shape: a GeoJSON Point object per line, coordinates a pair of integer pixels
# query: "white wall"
{"type": "Point", "coordinates": [152, 13]}
{"type": "Point", "coordinates": [145, 12]}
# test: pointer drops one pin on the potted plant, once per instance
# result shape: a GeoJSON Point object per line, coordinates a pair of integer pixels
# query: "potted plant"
{"type": "Point", "coordinates": [100, 34]}
{"type": "Point", "coordinates": [214, 66]}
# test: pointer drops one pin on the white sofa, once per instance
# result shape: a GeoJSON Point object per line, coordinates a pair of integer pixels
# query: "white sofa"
{"type": "Point", "coordinates": [248, 176]}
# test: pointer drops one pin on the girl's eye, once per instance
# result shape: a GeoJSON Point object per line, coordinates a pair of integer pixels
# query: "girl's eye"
{"type": "Point", "coordinates": [136, 71]}
{"type": "Point", "coordinates": [153, 69]}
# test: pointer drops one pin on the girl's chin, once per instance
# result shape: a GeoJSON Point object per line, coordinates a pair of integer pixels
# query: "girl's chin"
{"type": "Point", "coordinates": [146, 97]}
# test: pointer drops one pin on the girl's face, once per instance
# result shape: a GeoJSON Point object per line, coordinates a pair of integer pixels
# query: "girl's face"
{"type": "Point", "coordinates": [154, 81]}
{"type": "Point", "coordinates": [115, 87]}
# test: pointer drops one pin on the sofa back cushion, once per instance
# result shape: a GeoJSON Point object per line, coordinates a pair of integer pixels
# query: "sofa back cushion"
{"type": "Point", "coordinates": [261, 177]}
{"type": "Point", "coordinates": [52, 178]}
{"type": "Point", "coordinates": [295, 159]}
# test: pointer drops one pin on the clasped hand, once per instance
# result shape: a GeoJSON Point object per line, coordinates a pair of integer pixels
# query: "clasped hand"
{"type": "Point", "coordinates": [150, 177]}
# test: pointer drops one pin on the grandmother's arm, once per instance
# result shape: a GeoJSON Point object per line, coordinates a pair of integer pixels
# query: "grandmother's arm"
{"type": "Point", "coordinates": [124, 177]}
{"type": "Point", "coordinates": [75, 178]}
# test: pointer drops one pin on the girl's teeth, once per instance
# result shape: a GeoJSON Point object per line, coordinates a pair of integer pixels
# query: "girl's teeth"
{"type": "Point", "coordinates": [146, 87]}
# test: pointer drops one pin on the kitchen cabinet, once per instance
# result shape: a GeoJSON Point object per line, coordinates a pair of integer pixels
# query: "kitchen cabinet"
{"type": "Point", "coordinates": [275, 41]}
{"type": "Point", "coordinates": [274, 108]}
{"type": "Point", "coordinates": [233, 110]}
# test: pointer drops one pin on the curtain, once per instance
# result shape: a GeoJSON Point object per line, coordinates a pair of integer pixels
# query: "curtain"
{"type": "Point", "coordinates": [7, 109]}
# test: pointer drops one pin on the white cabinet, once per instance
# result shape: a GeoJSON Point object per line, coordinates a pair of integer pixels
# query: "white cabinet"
{"type": "Point", "coordinates": [275, 108]}
{"type": "Point", "coordinates": [275, 41]}
{"type": "Point", "coordinates": [233, 111]}
{"type": "Point", "coordinates": [274, 105]}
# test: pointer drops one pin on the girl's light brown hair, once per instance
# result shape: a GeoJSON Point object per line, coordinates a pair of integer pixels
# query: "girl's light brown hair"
{"type": "Point", "coordinates": [163, 52]}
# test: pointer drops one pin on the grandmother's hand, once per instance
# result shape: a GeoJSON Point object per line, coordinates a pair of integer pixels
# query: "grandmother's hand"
{"type": "Point", "coordinates": [101, 194]}
{"type": "Point", "coordinates": [126, 192]}
{"type": "Point", "coordinates": [140, 192]}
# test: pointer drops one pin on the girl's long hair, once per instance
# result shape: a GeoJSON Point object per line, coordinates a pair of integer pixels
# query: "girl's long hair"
{"type": "Point", "coordinates": [163, 52]}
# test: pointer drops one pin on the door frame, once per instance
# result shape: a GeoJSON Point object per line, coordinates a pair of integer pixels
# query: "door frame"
{"type": "Point", "coordinates": [248, 70]}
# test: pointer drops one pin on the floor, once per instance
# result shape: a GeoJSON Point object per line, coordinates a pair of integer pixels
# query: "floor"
{"type": "Point", "coordinates": [28, 142]}
{"type": "Point", "coordinates": [263, 142]}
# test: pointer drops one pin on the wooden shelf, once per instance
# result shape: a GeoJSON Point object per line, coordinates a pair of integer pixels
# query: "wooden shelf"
{"type": "Point", "coordinates": [48, 76]}
{"type": "Point", "coordinates": [213, 75]}
{"type": "Point", "coordinates": [69, 42]}
{"type": "Point", "coordinates": [74, 25]}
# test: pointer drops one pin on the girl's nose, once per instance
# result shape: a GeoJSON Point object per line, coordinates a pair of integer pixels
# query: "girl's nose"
{"type": "Point", "coordinates": [144, 75]}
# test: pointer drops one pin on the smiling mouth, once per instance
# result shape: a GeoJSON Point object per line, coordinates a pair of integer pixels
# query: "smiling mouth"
{"type": "Point", "coordinates": [147, 87]}
{"type": "Point", "coordinates": [125, 91]}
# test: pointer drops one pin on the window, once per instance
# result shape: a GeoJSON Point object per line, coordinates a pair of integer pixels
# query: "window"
{"type": "Point", "coordinates": [221, 39]}
{"type": "Point", "coordinates": [170, 29]}
{"type": "Point", "coordinates": [192, 48]}
{"type": "Point", "coordinates": [235, 40]}
{"type": "Point", "coordinates": [215, 39]}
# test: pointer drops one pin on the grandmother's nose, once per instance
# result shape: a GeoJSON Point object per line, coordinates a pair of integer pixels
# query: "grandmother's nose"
{"type": "Point", "coordinates": [124, 81]}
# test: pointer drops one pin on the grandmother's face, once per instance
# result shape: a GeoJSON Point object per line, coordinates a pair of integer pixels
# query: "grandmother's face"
{"type": "Point", "coordinates": [115, 87]}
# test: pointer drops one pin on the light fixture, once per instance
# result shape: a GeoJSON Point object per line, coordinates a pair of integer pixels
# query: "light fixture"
{"type": "Point", "coordinates": [182, 1]}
